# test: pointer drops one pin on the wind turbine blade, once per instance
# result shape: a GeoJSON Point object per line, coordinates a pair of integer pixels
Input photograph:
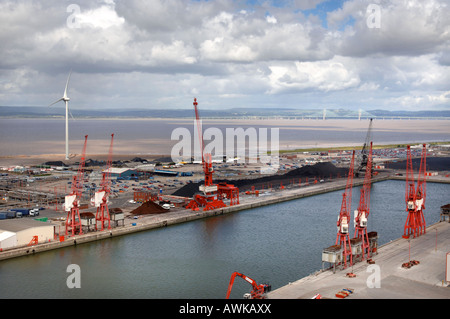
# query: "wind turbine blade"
{"type": "Point", "coordinates": [67, 84]}
{"type": "Point", "coordinates": [56, 101]}
{"type": "Point", "coordinates": [70, 113]}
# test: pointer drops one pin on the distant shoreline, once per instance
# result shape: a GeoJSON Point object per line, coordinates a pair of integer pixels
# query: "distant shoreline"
{"type": "Point", "coordinates": [246, 118]}
{"type": "Point", "coordinates": [346, 148]}
{"type": "Point", "coordinates": [295, 136]}
{"type": "Point", "coordinates": [240, 112]}
{"type": "Point", "coordinates": [38, 159]}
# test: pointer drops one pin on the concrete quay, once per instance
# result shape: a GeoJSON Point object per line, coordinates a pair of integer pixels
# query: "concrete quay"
{"type": "Point", "coordinates": [148, 222]}
{"type": "Point", "coordinates": [425, 280]}
{"type": "Point", "coordinates": [181, 216]}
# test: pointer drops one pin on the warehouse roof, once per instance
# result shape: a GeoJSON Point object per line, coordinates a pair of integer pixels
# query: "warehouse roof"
{"type": "Point", "coordinates": [19, 224]}
{"type": "Point", "coordinates": [6, 234]}
{"type": "Point", "coordinates": [116, 170]}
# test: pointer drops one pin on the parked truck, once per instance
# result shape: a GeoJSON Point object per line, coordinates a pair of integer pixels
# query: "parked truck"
{"type": "Point", "coordinates": [26, 211]}
{"type": "Point", "coordinates": [34, 212]}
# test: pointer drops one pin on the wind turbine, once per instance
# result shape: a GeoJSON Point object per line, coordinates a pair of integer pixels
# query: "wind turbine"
{"type": "Point", "coordinates": [66, 100]}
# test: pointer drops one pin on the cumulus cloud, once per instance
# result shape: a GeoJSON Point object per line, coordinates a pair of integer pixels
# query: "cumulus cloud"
{"type": "Point", "coordinates": [157, 53]}
{"type": "Point", "coordinates": [328, 75]}
{"type": "Point", "coordinates": [406, 28]}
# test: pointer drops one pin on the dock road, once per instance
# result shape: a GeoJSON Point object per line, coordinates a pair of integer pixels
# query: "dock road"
{"type": "Point", "coordinates": [386, 278]}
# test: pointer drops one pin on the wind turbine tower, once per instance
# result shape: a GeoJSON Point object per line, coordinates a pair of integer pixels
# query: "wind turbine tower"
{"type": "Point", "coordinates": [66, 100]}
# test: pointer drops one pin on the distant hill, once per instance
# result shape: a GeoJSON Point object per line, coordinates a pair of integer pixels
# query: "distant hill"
{"type": "Point", "coordinates": [33, 112]}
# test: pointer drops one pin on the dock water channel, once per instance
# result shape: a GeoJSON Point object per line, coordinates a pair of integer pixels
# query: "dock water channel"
{"type": "Point", "coordinates": [274, 244]}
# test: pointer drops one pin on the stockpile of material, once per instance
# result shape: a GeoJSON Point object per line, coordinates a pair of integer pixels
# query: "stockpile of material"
{"type": "Point", "coordinates": [324, 169]}
{"type": "Point", "coordinates": [149, 207]}
{"type": "Point", "coordinates": [319, 170]}
{"type": "Point", "coordinates": [433, 164]}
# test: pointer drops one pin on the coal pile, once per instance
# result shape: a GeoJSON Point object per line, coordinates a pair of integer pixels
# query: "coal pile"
{"type": "Point", "coordinates": [139, 159]}
{"type": "Point", "coordinates": [91, 162]}
{"type": "Point", "coordinates": [433, 164]}
{"type": "Point", "coordinates": [55, 163]}
{"type": "Point", "coordinates": [187, 190]}
{"type": "Point", "coordinates": [149, 207]}
{"type": "Point", "coordinates": [319, 170]}
{"type": "Point", "coordinates": [325, 169]}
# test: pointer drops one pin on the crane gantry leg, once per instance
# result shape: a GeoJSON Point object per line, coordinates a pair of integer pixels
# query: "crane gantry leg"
{"type": "Point", "coordinates": [421, 192]}
{"type": "Point", "coordinates": [412, 224]}
{"type": "Point", "coordinates": [73, 221]}
{"type": "Point", "coordinates": [101, 197]}
{"type": "Point", "coordinates": [362, 213]}
{"type": "Point", "coordinates": [343, 223]}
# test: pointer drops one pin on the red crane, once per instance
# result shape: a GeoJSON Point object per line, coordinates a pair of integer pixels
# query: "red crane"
{"type": "Point", "coordinates": [101, 196]}
{"type": "Point", "coordinates": [258, 291]}
{"type": "Point", "coordinates": [411, 225]}
{"type": "Point", "coordinates": [415, 197]}
{"type": "Point", "coordinates": [212, 194]}
{"type": "Point", "coordinates": [207, 163]}
{"type": "Point", "coordinates": [362, 213]}
{"type": "Point", "coordinates": [72, 201]}
{"type": "Point", "coordinates": [421, 191]}
{"type": "Point", "coordinates": [343, 222]}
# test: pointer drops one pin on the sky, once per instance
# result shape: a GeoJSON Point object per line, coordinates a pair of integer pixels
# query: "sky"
{"type": "Point", "coordinates": [160, 54]}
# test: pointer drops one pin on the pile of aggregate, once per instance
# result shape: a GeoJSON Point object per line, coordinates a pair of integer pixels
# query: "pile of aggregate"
{"type": "Point", "coordinates": [433, 164]}
{"type": "Point", "coordinates": [319, 170]}
{"type": "Point", "coordinates": [149, 207]}
{"type": "Point", "coordinates": [54, 163]}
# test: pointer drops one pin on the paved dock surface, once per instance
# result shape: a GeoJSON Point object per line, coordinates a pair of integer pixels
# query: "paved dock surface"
{"type": "Point", "coordinates": [425, 280]}
{"type": "Point", "coordinates": [147, 222]}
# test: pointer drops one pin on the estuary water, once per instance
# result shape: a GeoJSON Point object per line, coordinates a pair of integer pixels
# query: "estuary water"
{"type": "Point", "coordinates": [19, 136]}
{"type": "Point", "coordinates": [274, 244]}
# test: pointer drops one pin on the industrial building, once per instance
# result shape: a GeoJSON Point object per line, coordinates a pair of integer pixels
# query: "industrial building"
{"type": "Point", "coordinates": [123, 172]}
{"type": "Point", "coordinates": [116, 173]}
{"type": "Point", "coordinates": [20, 232]}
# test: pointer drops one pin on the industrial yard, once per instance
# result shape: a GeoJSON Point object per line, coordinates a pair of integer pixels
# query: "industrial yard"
{"type": "Point", "coordinates": [424, 280]}
{"type": "Point", "coordinates": [41, 188]}
{"type": "Point", "coordinates": [51, 204]}
{"type": "Point", "coordinates": [112, 181]}
{"type": "Point", "coordinates": [143, 198]}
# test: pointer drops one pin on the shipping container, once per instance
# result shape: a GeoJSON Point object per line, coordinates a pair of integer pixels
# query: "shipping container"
{"type": "Point", "coordinates": [24, 211]}
{"type": "Point", "coordinates": [11, 214]}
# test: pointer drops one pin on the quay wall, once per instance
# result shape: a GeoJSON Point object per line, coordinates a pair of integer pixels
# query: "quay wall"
{"type": "Point", "coordinates": [188, 215]}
